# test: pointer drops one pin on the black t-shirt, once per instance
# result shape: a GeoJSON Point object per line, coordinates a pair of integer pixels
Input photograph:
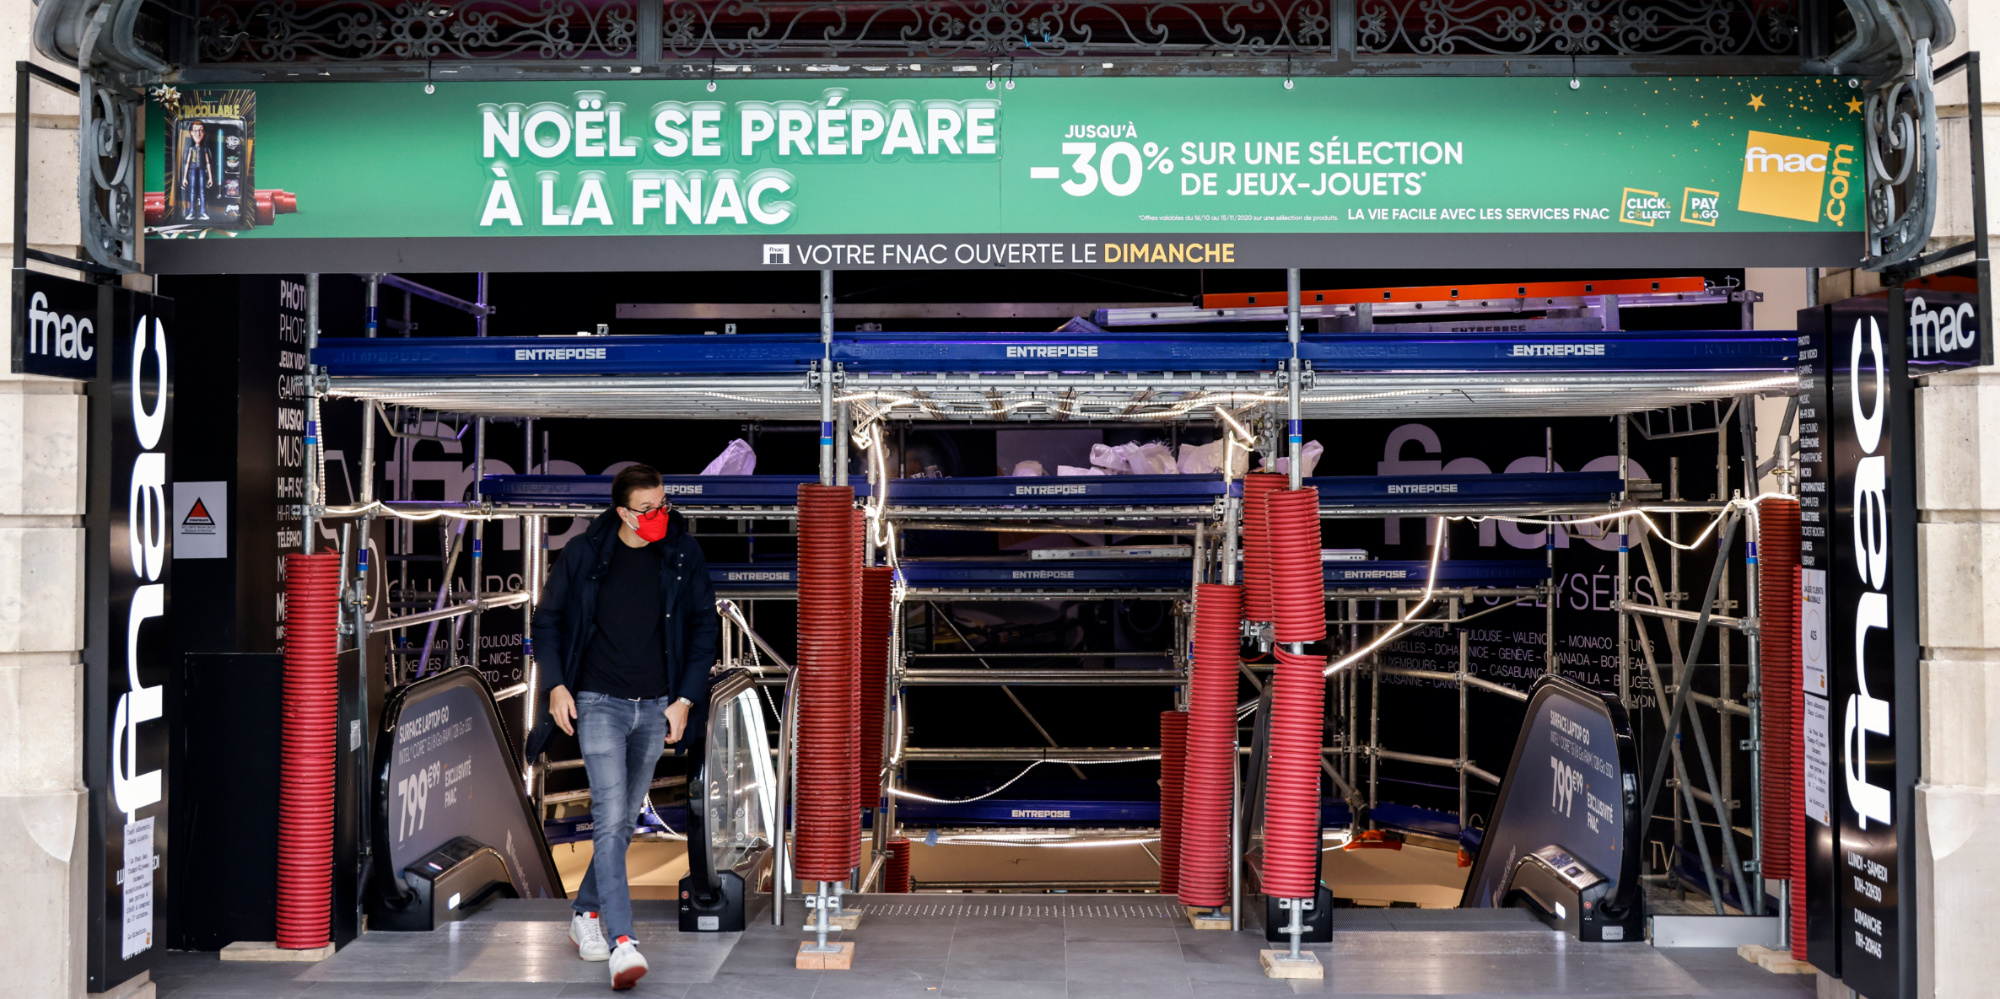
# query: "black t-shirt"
{"type": "Point", "coordinates": [627, 656]}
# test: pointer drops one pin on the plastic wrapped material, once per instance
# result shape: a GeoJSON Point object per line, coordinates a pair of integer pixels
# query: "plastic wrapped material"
{"type": "Point", "coordinates": [1207, 459]}
{"type": "Point", "coordinates": [1151, 458]}
{"type": "Point", "coordinates": [1029, 467]}
{"type": "Point", "coordinates": [1308, 460]}
{"type": "Point", "coordinates": [736, 459]}
{"type": "Point", "coordinates": [1077, 470]}
{"type": "Point", "coordinates": [1197, 459]}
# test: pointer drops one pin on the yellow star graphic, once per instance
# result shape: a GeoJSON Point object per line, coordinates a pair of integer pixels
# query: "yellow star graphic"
{"type": "Point", "coordinates": [1695, 124]}
{"type": "Point", "coordinates": [1854, 106]}
{"type": "Point", "coordinates": [1757, 102]}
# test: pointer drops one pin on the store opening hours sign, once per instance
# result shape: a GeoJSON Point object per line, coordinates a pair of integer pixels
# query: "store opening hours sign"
{"type": "Point", "coordinates": [1123, 163]}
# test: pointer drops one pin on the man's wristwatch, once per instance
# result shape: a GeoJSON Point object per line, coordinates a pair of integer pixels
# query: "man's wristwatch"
{"type": "Point", "coordinates": [682, 700]}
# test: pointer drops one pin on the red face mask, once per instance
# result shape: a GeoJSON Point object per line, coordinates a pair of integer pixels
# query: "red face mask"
{"type": "Point", "coordinates": [652, 525]}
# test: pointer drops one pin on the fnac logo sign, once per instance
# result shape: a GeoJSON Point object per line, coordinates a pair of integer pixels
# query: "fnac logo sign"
{"type": "Point", "coordinates": [1783, 175]}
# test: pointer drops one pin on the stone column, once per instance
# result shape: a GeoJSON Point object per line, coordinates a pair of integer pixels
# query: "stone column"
{"type": "Point", "coordinates": [1958, 800]}
{"type": "Point", "coordinates": [43, 829]}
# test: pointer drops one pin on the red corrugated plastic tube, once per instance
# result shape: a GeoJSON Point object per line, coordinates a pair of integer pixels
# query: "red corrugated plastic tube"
{"type": "Point", "coordinates": [1298, 698]}
{"type": "Point", "coordinates": [857, 523]}
{"type": "Point", "coordinates": [828, 842]}
{"type": "Point", "coordinates": [896, 872]}
{"type": "Point", "coordinates": [1778, 675]}
{"type": "Point", "coordinates": [854, 617]}
{"type": "Point", "coordinates": [876, 584]}
{"type": "Point", "coordinates": [1208, 767]}
{"type": "Point", "coordinates": [1173, 751]}
{"type": "Point", "coordinates": [307, 750]}
{"type": "Point", "coordinates": [1298, 581]}
{"type": "Point", "coordinates": [1257, 487]}
{"type": "Point", "coordinates": [1781, 713]}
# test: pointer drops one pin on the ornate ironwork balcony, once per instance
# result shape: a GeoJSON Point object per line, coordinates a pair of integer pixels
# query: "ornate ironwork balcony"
{"type": "Point", "coordinates": [648, 32]}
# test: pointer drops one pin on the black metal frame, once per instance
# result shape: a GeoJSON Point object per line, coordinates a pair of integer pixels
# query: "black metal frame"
{"type": "Point", "coordinates": [1982, 264]}
{"type": "Point", "coordinates": [24, 72]}
{"type": "Point", "coordinates": [249, 40]}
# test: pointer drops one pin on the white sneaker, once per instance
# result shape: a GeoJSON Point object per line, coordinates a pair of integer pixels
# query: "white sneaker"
{"type": "Point", "coordinates": [588, 936]}
{"type": "Point", "coordinates": [627, 964]}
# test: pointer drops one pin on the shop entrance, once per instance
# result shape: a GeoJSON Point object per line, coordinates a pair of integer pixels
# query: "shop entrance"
{"type": "Point", "coordinates": [1050, 507]}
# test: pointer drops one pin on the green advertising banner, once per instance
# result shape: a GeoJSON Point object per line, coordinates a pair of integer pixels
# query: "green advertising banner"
{"type": "Point", "coordinates": [1144, 171]}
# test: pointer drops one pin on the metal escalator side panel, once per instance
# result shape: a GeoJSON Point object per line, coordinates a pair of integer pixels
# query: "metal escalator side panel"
{"type": "Point", "coordinates": [444, 769]}
{"type": "Point", "coordinates": [731, 785]}
{"type": "Point", "coordinates": [1572, 783]}
{"type": "Point", "coordinates": [700, 855]}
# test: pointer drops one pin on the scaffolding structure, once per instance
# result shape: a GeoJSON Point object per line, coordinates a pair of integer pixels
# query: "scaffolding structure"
{"type": "Point", "coordinates": [855, 407]}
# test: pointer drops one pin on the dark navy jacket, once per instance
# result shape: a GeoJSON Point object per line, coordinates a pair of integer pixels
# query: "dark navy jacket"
{"type": "Point", "coordinates": [565, 620]}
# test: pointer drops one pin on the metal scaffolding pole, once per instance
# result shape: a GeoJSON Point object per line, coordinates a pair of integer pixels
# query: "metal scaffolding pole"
{"type": "Point", "coordinates": [478, 562]}
{"type": "Point", "coordinates": [1624, 563]}
{"type": "Point", "coordinates": [1753, 695]}
{"type": "Point", "coordinates": [1294, 425]}
{"type": "Point", "coordinates": [1464, 715]}
{"type": "Point", "coordinates": [534, 563]}
{"type": "Point", "coordinates": [311, 471]}
{"type": "Point", "coordinates": [1549, 554]}
{"type": "Point", "coordinates": [826, 472]}
{"type": "Point", "coordinates": [1746, 420]}
{"type": "Point", "coordinates": [842, 417]}
{"type": "Point", "coordinates": [1724, 787]}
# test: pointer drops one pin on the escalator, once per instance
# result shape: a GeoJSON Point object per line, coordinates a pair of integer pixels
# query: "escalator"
{"type": "Point", "coordinates": [732, 809]}
{"type": "Point", "coordinates": [455, 828]}
{"type": "Point", "coordinates": [1564, 839]}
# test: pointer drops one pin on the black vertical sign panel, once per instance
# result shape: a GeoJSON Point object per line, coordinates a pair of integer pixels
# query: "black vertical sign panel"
{"type": "Point", "coordinates": [1819, 895]}
{"type": "Point", "coordinates": [1871, 642]}
{"type": "Point", "coordinates": [126, 645]}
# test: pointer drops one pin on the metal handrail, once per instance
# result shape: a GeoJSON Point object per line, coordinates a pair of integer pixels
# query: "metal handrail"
{"type": "Point", "coordinates": [1042, 678]}
{"type": "Point", "coordinates": [728, 609]}
{"type": "Point", "coordinates": [447, 613]}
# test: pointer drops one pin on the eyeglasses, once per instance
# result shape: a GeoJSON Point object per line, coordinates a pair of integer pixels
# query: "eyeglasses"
{"type": "Point", "coordinates": [650, 509]}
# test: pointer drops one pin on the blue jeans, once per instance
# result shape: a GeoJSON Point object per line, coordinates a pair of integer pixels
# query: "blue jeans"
{"type": "Point", "coordinates": [622, 740]}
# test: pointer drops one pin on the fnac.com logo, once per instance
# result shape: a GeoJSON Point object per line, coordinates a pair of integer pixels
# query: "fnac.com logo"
{"type": "Point", "coordinates": [1783, 176]}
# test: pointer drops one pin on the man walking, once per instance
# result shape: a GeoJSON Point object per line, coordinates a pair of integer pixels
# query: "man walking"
{"type": "Point", "coordinates": [625, 634]}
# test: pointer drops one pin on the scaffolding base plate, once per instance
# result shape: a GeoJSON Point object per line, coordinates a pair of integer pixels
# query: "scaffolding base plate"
{"type": "Point", "coordinates": [1279, 964]}
{"type": "Point", "coordinates": [841, 958]}
{"type": "Point", "coordinates": [1777, 962]}
{"type": "Point", "coordinates": [265, 950]}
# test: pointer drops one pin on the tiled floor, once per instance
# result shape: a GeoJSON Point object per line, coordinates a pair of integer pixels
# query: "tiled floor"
{"type": "Point", "coordinates": [985, 947]}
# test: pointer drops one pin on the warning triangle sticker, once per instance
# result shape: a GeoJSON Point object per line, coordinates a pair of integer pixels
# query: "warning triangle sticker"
{"type": "Point", "coordinates": [198, 516]}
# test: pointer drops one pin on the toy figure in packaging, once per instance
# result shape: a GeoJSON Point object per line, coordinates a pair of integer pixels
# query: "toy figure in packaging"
{"type": "Point", "coordinates": [197, 172]}
{"type": "Point", "coordinates": [211, 142]}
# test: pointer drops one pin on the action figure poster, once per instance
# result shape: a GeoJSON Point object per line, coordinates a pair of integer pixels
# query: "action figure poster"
{"type": "Point", "coordinates": [210, 161]}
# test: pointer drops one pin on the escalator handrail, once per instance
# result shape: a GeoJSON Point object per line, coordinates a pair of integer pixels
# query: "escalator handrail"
{"type": "Point", "coordinates": [782, 772]}
{"type": "Point", "coordinates": [701, 854]}
{"type": "Point", "coordinates": [728, 609]}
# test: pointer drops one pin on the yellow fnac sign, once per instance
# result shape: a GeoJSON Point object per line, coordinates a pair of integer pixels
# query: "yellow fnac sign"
{"type": "Point", "coordinates": [1783, 175]}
